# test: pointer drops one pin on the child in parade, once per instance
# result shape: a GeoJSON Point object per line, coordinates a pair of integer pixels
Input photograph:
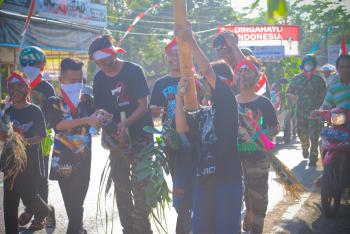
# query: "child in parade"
{"type": "Point", "coordinates": [28, 121]}
{"type": "Point", "coordinates": [71, 158]}
{"type": "Point", "coordinates": [32, 60]}
{"type": "Point", "coordinates": [256, 117]}
{"type": "Point", "coordinates": [120, 87]}
{"type": "Point", "coordinates": [212, 132]}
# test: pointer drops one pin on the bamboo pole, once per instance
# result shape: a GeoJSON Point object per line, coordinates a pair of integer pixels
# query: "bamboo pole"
{"type": "Point", "coordinates": [185, 55]}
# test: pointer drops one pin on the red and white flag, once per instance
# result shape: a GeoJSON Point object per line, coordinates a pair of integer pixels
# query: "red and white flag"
{"type": "Point", "coordinates": [343, 46]}
{"type": "Point", "coordinates": [30, 13]}
{"type": "Point", "coordinates": [136, 20]}
{"type": "Point", "coordinates": [261, 85]}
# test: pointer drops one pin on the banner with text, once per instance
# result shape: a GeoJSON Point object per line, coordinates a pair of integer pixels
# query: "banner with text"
{"type": "Point", "coordinates": [286, 37]}
{"type": "Point", "coordinates": [76, 11]}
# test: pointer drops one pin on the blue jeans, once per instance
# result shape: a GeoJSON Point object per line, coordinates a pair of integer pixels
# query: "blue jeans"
{"type": "Point", "coordinates": [217, 208]}
{"type": "Point", "coordinates": [182, 176]}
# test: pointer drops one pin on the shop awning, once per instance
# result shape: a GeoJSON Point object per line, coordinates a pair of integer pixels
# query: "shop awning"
{"type": "Point", "coordinates": [48, 34]}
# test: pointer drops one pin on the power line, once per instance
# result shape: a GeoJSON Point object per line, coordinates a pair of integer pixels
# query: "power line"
{"type": "Point", "coordinates": [141, 34]}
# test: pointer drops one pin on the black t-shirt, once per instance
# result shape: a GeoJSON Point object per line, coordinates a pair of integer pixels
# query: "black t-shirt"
{"type": "Point", "coordinates": [120, 93]}
{"type": "Point", "coordinates": [164, 95]}
{"type": "Point", "coordinates": [213, 134]}
{"type": "Point", "coordinates": [73, 146]}
{"type": "Point", "coordinates": [29, 121]}
{"type": "Point", "coordinates": [262, 112]}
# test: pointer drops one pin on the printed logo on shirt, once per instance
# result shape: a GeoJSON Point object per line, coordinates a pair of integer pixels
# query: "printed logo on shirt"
{"type": "Point", "coordinates": [121, 94]}
{"type": "Point", "coordinates": [206, 165]}
{"type": "Point", "coordinates": [22, 128]}
{"type": "Point", "coordinates": [170, 95]}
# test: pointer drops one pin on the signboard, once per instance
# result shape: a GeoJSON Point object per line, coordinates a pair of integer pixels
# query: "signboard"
{"type": "Point", "coordinates": [282, 36]}
{"type": "Point", "coordinates": [333, 53]}
{"type": "Point", "coordinates": [75, 11]}
{"type": "Point", "coordinates": [268, 51]}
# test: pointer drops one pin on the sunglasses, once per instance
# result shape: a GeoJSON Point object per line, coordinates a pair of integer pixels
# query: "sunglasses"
{"type": "Point", "coordinates": [25, 62]}
{"type": "Point", "coordinates": [244, 68]}
{"type": "Point", "coordinates": [219, 43]}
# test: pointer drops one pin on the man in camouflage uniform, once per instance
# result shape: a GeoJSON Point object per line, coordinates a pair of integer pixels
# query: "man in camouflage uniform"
{"type": "Point", "coordinates": [307, 91]}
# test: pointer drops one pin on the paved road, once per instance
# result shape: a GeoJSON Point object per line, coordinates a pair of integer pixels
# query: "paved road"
{"type": "Point", "coordinates": [281, 209]}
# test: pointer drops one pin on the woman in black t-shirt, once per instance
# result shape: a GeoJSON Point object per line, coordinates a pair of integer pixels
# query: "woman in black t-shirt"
{"type": "Point", "coordinates": [257, 125]}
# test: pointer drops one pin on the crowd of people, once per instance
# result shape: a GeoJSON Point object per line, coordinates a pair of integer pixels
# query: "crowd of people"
{"type": "Point", "coordinates": [223, 160]}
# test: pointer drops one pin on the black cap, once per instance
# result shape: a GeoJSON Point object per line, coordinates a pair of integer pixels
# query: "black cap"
{"type": "Point", "coordinates": [71, 64]}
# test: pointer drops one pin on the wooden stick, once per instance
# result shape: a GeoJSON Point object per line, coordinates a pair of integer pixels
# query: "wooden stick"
{"type": "Point", "coordinates": [185, 55]}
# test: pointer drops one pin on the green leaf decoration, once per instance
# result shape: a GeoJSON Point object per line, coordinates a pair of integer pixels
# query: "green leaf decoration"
{"type": "Point", "coordinates": [276, 9]}
{"type": "Point", "coordinates": [151, 130]}
{"type": "Point", "coordinates": [254, 5]}
{"type": "Point", "coordinates": [150, 170]}
{"type": "Point", "coordinates": [47, 142]}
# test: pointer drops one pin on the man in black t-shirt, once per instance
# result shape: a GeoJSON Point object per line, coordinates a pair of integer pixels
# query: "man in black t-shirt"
{"type": "Point", "coordinates": [120, 88]}
{"type": "Point", "coordinates": [32, 60]}
{"type": "Point", "coordinates": [28, 121]}
{"type": "Point", "coordinates": [212, 131]}
{"type": "Point", "coordinates": [163, 103]}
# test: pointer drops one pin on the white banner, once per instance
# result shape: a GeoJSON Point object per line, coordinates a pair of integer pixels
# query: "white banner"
{"type": "Point", "coordinates": [75, 11]}
{"type": "Point", "coordinates": [282, 36]}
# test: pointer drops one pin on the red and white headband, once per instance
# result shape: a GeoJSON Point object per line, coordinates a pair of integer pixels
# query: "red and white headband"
{"type": "Point", "coordinates": [16, 77]}
{"type": "Point", "coordinates": [106, 52]}
{"type": "Point", "coordinates": [246, 63]}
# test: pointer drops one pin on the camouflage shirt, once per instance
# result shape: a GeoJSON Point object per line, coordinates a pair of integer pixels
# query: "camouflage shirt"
{"type": "Point", "coordinates": [310, 94]}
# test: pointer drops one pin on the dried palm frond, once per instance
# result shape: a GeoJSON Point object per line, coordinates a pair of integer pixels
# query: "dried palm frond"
{"type": "Point", "coordinates": [15, 148]}
{"type": "Point", "coordinates": [286, 177]}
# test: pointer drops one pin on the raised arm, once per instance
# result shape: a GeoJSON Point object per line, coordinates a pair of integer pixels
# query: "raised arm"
{"type": "Point", "coordinates": [186, 34]}
{"type": "Point", "coordinates": [231, 42]}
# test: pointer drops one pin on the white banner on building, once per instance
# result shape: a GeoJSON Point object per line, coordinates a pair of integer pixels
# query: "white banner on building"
{"type": "Point", "coordinates": [285, 37]}
{"type": "Point", "coordinates": [75, 11]}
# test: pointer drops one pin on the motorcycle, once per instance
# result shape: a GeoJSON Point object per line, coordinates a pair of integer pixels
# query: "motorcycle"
{"type": "Point", "coordinates": [335, 152]}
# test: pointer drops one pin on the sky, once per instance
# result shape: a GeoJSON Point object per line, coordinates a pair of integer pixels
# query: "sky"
{"type": "Point", "coordinates": [239, 4]}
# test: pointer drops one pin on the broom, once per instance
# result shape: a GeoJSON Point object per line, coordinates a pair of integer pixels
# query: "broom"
{"type": "Point", "coordinates": [286, 178]}
{"type": "Point", "coordinates": [15, 148]}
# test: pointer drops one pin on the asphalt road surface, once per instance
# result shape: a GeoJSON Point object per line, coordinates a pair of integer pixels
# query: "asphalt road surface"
{"type": "Point", "coordinates": [285, 215]}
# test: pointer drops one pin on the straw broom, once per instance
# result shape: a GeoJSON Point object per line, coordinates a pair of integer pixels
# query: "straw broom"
{"type": "Point", "coordinates": [286, 178]}
{"type": "Point", "coordinates": [15, 147]}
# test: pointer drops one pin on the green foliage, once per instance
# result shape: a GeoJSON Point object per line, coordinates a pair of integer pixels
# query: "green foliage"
{"type": "Point", "coordinates": [287, 68]}
{"type": "Point", "coordinates": [276, 9]}
{"type": "Point", "coordinates": [314, 19]}
{"type": "Point", "coordinates": [150, 171]}
{"type": "Point", "coordinates": [105, 186]}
